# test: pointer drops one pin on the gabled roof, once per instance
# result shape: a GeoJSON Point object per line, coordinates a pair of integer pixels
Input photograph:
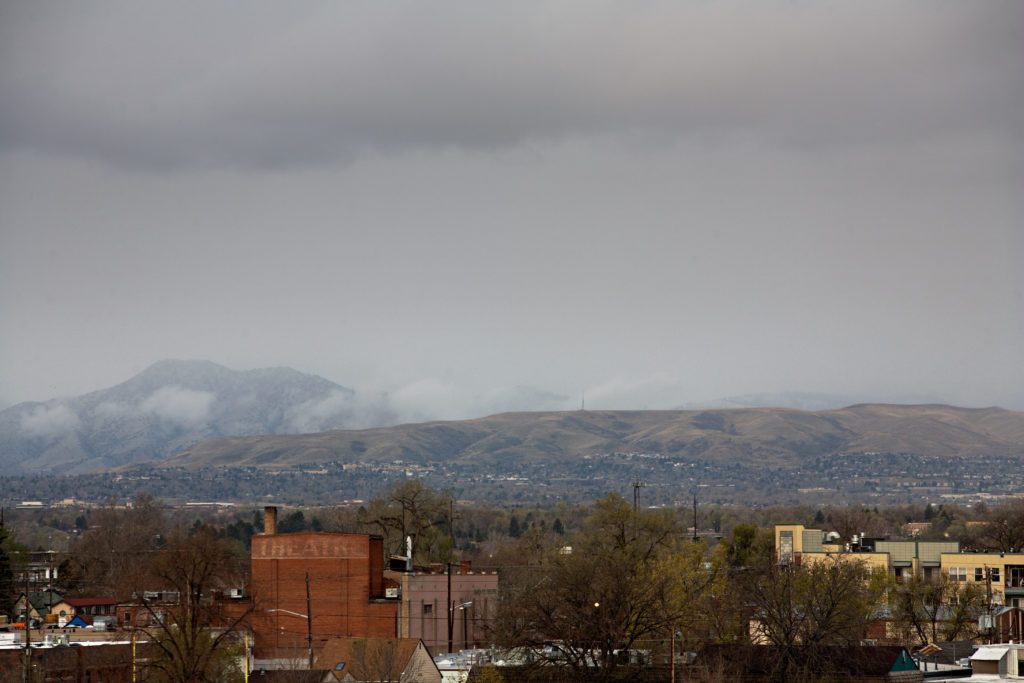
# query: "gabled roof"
{"type": "Point", "coordinates": [368, 659]}
{"type": "Point", "coordinates": [990, 653]}
{"type": "Point", "coordinates": [999, 611]}
{"type": "Point", "coordinates": [41, 599]}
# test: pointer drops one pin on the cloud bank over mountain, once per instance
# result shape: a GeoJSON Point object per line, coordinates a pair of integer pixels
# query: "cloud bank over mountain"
{"type": "Point", "coordinates": [647, 205]}
{"type": "Point", "coordinates": [174, 404]}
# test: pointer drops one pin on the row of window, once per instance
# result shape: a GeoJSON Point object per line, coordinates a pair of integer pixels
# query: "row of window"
{"type": "Point", "coordinates": [960, 573]}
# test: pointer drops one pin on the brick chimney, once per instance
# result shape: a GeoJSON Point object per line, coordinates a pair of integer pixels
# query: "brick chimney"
{"type": "Point", "coordinates": [269, 520]}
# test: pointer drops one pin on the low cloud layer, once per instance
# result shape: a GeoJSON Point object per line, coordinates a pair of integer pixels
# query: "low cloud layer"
{"type": "Point", "coordinates": [177, 404]}
{"type": "Point", "coordinates": [49, 421]}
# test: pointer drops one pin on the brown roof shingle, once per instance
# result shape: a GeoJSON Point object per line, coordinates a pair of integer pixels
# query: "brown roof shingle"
{"type": "Point", "coordinates": [367, 659]}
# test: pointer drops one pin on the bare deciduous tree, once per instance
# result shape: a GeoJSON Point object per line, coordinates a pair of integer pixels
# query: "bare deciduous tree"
{"type": "Point", "coordinates": [923, 609]}
{"type": "Point", "coordinates": [412, 509]}
{"type": "Point", "coordinates": [113, 553]}
{"type": "Point", "coordinates": [193, 640]}
{"type": "Point", "coordinates": [1004, 527]}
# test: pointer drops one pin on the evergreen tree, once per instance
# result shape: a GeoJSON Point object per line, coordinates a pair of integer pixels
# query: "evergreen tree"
{"type": "Point", "coordinates": [292, 523]}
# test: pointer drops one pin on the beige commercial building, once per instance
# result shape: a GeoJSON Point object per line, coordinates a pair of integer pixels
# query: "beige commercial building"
{"type": "Point", "coordinates": [1001, 573]}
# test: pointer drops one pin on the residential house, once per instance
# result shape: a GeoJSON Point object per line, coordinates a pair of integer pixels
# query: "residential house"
{"type": "Point", "coordinates": [405, 660]}
{"type": "Point", "coordinates": [39, 605]}
{"type": "Point", "coordinates": [85, 609]}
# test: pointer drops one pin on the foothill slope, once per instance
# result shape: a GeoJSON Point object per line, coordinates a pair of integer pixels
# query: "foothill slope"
{"type": "Point", "coordinates": [772, 436]}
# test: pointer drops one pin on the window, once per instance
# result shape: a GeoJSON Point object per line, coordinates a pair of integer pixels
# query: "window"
{"type": "Point", "coordinates": [958, 573]}
{"type": "Point", "coordinates": [785, 547]}
{"type": "Point", "coordinates": [994, 572]}
{"type": "Point", "coordinates": [979, 573]}
{"type": "Point", "coordinates": [428, 609]}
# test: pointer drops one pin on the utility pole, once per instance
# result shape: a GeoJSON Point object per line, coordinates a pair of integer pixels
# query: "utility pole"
{"type": "Point", "coordinates": [50, 557]}
{"type": "Point", "coordinates": [672, 655]}
{"type": "Point", "coordinates": [448, 570]}
{"type": "Point", "coordinates": [28, 628]}
{"type": "Point", "coordinates": [988, 600]}
{"type": "Point", "coordinates": [695, 537]}
{"type": "Point", "coordinates": [637, 485]}
{"type": "Point", "coordinates": [309, 621]}
{"type": "Point", "coordinates": [448, 566]}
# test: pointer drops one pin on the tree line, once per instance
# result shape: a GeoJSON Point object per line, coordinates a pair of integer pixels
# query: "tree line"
{"type": "Point", "coordinates": [587, 588]}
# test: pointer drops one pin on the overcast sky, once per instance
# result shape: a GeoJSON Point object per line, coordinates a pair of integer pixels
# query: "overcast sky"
{"type": "Point", "coordinates": [654, 203]}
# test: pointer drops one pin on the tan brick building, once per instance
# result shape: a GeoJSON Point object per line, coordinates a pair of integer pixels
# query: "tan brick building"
{"type": "Point", "coordinates": [1001, 574]}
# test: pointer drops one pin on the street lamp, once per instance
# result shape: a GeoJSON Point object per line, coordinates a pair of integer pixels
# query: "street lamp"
{"type": "Point", "coordinates": [465, 629]}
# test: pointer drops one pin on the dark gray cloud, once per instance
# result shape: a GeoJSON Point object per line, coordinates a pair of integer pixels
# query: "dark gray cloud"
{"type": "Point", "coordinates": [313, 82]}
{"type": "Point", "coordinates": [654, 203]}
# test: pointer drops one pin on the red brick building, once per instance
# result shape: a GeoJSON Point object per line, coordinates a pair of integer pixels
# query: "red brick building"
{"type": "Point", "coordinates": [329, 584]}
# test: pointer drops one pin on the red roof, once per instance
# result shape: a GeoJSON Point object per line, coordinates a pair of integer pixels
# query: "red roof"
{"type": "Point", "coordinates": [89, 602]}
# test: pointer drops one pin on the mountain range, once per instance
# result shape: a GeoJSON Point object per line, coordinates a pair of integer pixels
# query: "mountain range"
{"type": "Point", "coordinates": [771, 436]}
{"type": "Point", "coordinates": [196, 414]}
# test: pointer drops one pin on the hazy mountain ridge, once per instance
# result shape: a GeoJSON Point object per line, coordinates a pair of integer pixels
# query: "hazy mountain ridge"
{"type": "Point", "coordinates": [771, 435]}
{"type": "Point", "coordinates": [212, 415]}
{"type": "Point", "coordinates": [166, 408]}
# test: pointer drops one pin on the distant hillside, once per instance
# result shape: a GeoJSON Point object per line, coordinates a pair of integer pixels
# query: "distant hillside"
{"type": "Point", "coordinates": [166, 408]}
{"type": "Point", "coordinates": [777, 436]}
